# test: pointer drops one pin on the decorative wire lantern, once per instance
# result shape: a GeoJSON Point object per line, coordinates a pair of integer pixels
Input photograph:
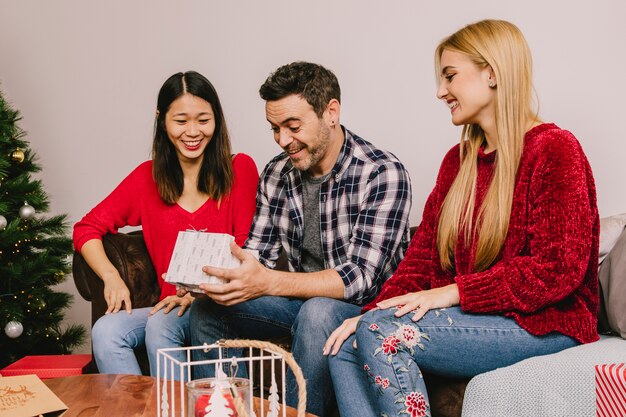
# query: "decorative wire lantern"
{"type": "Point", "coordinates": [258, 395]}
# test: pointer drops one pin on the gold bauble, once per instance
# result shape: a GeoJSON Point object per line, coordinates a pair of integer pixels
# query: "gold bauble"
{"type": "Point", "coordinates": [17, 156]}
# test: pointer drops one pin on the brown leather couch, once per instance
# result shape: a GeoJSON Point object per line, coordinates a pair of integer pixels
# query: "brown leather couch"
{"type": "Point", "coordinates": [127, 251]}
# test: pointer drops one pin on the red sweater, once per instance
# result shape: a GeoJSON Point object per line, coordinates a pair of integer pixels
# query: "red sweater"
{"type": "Point", "coordinates": [136, 201]}
{"type": "Point", "coordinates": [546, 275]}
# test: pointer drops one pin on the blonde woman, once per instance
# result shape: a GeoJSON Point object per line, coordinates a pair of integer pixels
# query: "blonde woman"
{"type": "Point", "coordinates": [504, 264]}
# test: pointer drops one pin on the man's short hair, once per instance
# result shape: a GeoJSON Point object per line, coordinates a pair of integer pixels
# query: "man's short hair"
{"type": "Point", "coordinates": [314, 83]}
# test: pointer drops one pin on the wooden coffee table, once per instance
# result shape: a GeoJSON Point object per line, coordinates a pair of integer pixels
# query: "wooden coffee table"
{"type": "Point", "coordinates": [105, 395]}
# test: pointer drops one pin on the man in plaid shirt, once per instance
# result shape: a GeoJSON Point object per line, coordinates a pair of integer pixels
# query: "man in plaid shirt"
{"type": "Point", "coordinates": [337, 207]}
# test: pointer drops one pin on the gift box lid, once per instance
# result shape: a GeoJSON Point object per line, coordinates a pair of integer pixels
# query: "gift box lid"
{"type": "Point", "coordinates": [48, 366]}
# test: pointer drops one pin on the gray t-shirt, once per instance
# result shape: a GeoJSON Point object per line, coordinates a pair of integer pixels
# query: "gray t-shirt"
{"type": "Point", "coordinates": [312, 253]}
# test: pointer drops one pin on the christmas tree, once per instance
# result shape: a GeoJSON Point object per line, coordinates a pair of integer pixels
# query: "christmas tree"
{"type": "Point", "coordinates": [273, 399]}
{"type": "Point", "coordinates": [218, 405]}
{"type": "Point", "coordinates": [34, 255]}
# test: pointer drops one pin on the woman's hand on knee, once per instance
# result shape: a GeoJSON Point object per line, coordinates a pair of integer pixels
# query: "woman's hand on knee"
{"type": "Point", "coordinates": [170, 302]}
{"type": "Point", "coordinates": [341, 333]}
{"type": "Point", "coordinates": [422, 301]}
{"type": "Point", "coordinates": [115, 293]}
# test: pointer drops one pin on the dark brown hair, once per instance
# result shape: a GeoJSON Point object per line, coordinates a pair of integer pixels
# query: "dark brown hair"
{"type": "Point", "coordinates": [314, 83]}
{"type": "Point", "coordinates": [216, 173]}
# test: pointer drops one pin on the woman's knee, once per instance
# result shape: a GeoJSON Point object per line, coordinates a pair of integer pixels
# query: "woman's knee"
{"type": "Point", "coordinates": [160, 322]}
{"type": "Point", "coordinates": [106, 332]}
{"type": "Point", "coordinates": [167, 330]}
{"type": "Point", "coordinates": [373, 324]}
{"type": "Point", "coordinates": [119, 330]}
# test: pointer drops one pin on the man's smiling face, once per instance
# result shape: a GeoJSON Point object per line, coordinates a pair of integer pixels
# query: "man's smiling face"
{"type": "Point", "coordinates": [300, 132]}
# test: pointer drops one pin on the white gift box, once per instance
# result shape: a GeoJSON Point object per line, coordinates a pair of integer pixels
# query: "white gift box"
{"type": "Point", "coordinates": [194, 250]}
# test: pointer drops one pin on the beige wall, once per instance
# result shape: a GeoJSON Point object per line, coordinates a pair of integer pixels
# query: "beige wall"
{"type": "Point", "coordinates": [85, 75]}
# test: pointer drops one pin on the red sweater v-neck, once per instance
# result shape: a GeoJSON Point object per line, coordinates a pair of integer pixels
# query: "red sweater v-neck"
{"type": "Point", "coordinates": [136, 202]}
{"type": "Point", "coordinates": [546, 275]}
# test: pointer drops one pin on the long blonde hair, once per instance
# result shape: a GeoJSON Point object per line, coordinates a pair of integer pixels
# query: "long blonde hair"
{"type": "Point", "coordinates": [500, 45]}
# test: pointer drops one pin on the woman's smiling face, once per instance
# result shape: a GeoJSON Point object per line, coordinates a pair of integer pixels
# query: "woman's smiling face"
{"type": "Point", "coordinates": [190, 124]}
{"type": "Point", "coordinates": [468, 90]}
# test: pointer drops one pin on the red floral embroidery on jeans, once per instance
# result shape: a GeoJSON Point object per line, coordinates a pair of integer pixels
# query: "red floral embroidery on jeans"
{"type": "Point", "coordinates": [408, 333]}
{"type": "Point", "coordinates": [374, 327]}
{"type": "Point", "coordinates": [416, 404]}
{"type": "Point", "coordinates": [390, 345]}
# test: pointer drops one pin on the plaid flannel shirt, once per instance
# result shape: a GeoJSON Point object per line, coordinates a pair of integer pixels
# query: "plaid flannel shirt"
{"type": "Point", "coordinates": [364, 216]}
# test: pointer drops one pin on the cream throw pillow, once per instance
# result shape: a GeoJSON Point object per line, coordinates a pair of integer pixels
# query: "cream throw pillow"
{"type": "Point", "coordinates": [612, 276]}
{"type": "Point", "coordinates": [610, 229]}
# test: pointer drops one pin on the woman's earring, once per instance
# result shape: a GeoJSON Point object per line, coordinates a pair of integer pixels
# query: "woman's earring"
{"type": "Point", "coordinates": [492, 84]}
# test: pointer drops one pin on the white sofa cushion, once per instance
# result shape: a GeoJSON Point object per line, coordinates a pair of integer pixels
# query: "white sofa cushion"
{"type": "Point", "coordinates": [561, 384]}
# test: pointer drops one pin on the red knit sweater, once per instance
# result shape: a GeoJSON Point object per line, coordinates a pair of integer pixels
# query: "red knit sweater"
{"type": "Point", "coordinates": [546, 275]}
{"type": "Point", "coordinates": [136, 201]}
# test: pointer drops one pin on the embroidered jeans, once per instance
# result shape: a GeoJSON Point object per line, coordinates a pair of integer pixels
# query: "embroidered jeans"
{"type": "Point", "coordinates": [383, 376]}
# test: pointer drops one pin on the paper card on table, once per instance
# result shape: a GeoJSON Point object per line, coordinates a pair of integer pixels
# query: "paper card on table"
{"type": "Point", "coordinates": [28, 396]}
{"type": "Point", "coordinates": [192, 251]}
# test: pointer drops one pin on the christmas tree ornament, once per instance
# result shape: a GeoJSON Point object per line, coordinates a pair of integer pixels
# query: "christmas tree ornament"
{"type": "Point", "coordinates": [17, 156]}
{"type": "Point", "coordinates": [27, 211]}
{"type": "Point", "coordinates": [14, 329]}
{"type": "Point", "coordinates": [3, 222]}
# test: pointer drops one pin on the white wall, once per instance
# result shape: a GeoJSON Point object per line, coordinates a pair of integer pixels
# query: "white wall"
{"type": "Point", "coordinates": [85, 76]}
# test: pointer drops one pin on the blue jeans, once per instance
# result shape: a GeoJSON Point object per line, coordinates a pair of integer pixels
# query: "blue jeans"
{"type": "Point", "coordinates": [383, 376]}
{"type": "Point", "coordinates": [308, 322]}
{"type": "Point", "coordinates": [115, 336]}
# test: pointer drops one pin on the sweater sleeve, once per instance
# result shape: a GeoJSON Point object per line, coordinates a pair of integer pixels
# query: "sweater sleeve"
{"type": "Point", "coordinates": [559, 235]}
{"type": "Point", "coordinates": [421, 263]}
{"type": "Point", "coordinates": [243, 196]}
{"type": "Point", "coordinates": [120, 208]}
